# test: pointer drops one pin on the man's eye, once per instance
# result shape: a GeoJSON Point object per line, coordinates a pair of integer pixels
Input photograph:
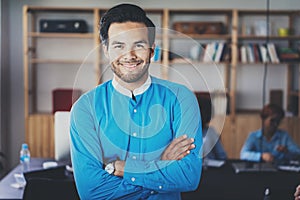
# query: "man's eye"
{"type": "Point", "coordinates": [140, 46]}
{"type": "Point", "coordinates": [117, 46]}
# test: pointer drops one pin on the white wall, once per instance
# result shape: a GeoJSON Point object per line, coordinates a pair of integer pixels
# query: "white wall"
{"type": "Point", "coordinates": [14, 37]}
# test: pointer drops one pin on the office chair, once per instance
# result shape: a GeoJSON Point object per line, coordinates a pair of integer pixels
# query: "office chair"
{"type": "Point", "coordinates": [50, 184]}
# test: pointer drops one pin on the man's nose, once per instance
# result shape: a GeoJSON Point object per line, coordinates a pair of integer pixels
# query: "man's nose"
{"type": "Point", "coordinates": [129, 54]}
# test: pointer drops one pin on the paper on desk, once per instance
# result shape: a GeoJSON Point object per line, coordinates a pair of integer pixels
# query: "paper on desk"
{"type": "Point", "coordinates": [20, 181]}
{"type": "Point", "coordinates": [214, 163]}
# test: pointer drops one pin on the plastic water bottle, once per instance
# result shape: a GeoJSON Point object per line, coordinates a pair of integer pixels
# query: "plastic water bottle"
{"type": "Point", "coordinates": [267, 194]}
{"type": "Point", "coordinates": [25, 158]}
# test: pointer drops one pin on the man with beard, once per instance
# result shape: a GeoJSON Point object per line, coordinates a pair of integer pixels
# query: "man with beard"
{"type": "Point", "coordinates": [135, 136]}
{"type": "Point", "coordinates": [270, 144]}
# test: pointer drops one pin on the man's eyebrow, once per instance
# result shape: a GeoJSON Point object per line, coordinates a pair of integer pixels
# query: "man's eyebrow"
{"type": "Point", "coordinates": [141, 41]}
{"type": "Point", "coordinates": [117, 42]}
{"type": "Point", "coordinates": [137, 42]}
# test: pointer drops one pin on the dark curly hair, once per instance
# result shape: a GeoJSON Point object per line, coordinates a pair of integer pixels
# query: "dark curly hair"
{"type": "Point", "coordinates": [125, 13]}
{"type": "Point", "coordinates": [272, 109]}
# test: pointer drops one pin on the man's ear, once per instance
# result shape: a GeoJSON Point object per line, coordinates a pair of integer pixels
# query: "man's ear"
{"type": "Point", "coordinates": [152, 50]}
{"type": "Point", "coordinates": [105, 50]}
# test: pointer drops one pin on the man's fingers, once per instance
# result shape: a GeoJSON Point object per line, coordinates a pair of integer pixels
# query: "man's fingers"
{"type": "Point", "coordinates": [178, 148]}
{"type": "Point", "coordinates": [181, 148]}
{"type": "Point", "coordinates": [175, 144]}
{"type": "Point", "coordinates": [178, 140]}
{"type": "Point", "coordinates": [192, 146]}
{"type": "Point", "coordinates": [179, 157]}
{"type": "Point", "coordinates": [184, 150]}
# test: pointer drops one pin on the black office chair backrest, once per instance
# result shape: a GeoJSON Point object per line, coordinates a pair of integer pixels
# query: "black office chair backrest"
{"type": "Point", "coordinates": [42, 188]}
{"type": "Point", "coordinates": [54, 184]}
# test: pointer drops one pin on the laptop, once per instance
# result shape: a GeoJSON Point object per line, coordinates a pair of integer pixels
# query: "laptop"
{"type": "Point", "coordinates": [253, 167]}
{"type": "Point", "coordinates": [62, 136]}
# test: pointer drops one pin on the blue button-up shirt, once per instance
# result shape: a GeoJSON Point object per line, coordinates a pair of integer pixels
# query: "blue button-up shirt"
{"type": "Point", "coordinates": [255, 145]}
{"type": "Point", "coordinates": [107, 124]}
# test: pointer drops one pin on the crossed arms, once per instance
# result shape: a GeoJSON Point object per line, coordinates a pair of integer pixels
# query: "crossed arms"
{"type": "Point", "coordinates": [178, 168]}
{"type": "Point", "coordinates": [178, 149]}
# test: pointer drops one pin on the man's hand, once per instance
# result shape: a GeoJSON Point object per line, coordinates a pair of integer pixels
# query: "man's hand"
{"type": "Point", "coordinates": [297, 193]}
{"type": "Point", "coordinates": [267, 157]}
{"type": "Point", "coordinates": [281, 148]}
{"type": "Point", "coordinates": [119, 168]}
{"type": "Point", "coordinates": [179, 148]}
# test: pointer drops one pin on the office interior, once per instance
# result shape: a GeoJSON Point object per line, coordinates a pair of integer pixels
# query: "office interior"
{"type": "Point", "coordinates": [243, 84]}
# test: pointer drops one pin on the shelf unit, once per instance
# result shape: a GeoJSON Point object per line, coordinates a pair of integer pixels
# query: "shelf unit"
{"type": "Point", "coordinates": [183, 44]}
{"type": "Point", "coordinates": [40, 48]}
{"type": "Point", "coordinates": [249, 23]}
{"type": "Point", "coordinates": [39, 123]}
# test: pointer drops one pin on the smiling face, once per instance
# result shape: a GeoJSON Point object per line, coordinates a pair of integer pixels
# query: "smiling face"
{"type": "Point", "coordinates": [129, 52]}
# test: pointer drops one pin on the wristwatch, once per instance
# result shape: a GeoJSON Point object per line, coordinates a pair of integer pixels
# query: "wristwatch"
{"type": "Point", "coordinates": [110, 168]}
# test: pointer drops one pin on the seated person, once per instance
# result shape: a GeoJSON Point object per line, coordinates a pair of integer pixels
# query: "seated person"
{"type": "Point", "coordinates": [212, 147]}
{"type": "Point", "coordinates": [270, 144]}
{"type": "Point", "coordinates": [297, 193]}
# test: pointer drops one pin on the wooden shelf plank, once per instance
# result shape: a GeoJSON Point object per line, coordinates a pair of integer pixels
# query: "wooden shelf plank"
{"type": "Point", "coordinates": [201, 36]}
{"type": "Point", "coordinates": [201, 11]}
{"type": "Point", "coordinates": [77, 9]}
{"type": "Point", "coordinates": [61, 35]}
{"type": "Point", "coordinates": [59, 9]}
{"type": "Point", "coordinates": [57, 61]}
{"type": "Point", "coordinates": [268, 63]}
{"type": "Point", "coordinates": [272, 12]}
{"type": "Point", "coordinates": [187, 61]}
{"type": "Point", "coordinates": [254, 37]}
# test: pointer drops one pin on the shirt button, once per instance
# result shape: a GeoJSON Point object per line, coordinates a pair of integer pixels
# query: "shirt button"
{"type": "Point", "coordinates": [132, 179]}
{"type": "Point", "coordinates": [134, 110]}
{"type": "Point", "coordinates": [160, 187]}
{"type": "Point", "coordinates": [134, 157]}
{"type": "Point", "coordinates": [134, 134]}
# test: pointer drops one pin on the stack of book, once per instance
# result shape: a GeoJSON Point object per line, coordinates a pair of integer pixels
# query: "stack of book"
{"type": "Point", "coordinates": [213, 52]}
{"type": "Point", "coordinates": [287, 54]}
{"type": "Point", "coordinates": [255, 53]}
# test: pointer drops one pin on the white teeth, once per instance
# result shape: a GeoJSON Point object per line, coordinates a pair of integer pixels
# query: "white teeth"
{"type": "Point", "coordinates": [129, 65]}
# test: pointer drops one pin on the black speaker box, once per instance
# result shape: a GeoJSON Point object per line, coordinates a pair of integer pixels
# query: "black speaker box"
{"type": "Point", "coordinates": [63, 26]}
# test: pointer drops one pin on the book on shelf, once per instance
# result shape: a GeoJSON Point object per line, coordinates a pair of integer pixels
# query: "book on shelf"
{"type": "Point", "coordinates": [255, 53]}
{"type": "Point", "coordinates": [243, 53]}
{"type": "Point", "coordinates": [219, 51]}
{"type": "Point", "coordinates": [197, 52]}
{"type": "Point", "coordinates": [264, 53]}
{"type": "Point", "coordinates": [250, 53]}
{"type": "Point", "coordinates": [226, 53]}
{"type": "Point", "coordinates": [214, 52]}
{"type": "Point", "coordinates": [272, 53]}
{"type": "Point", "coordinates": [209, 52]}
{"type": "Point", "coordinates": [287, 54]}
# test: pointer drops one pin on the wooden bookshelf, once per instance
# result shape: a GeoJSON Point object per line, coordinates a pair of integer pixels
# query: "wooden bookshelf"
{"type": "Point", "coordinates": [39, 125]}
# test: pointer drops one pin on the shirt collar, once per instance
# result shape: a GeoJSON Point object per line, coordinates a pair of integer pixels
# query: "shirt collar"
{"type": "Point", "coordinates": [260, 134]}
{"type": "Point", "coordinates": [137, 91]}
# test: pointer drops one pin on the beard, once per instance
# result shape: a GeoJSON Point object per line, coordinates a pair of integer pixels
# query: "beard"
{"type": "Point", "coordinates": [129, 76]}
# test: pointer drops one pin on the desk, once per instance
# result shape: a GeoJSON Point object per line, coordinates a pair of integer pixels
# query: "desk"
{"type": "Point", "coordinates": [8, 192]}
{"type": "Point", "coordinates": [216, 183]}
{"type": "Point", "coordinates": [223, 183]}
